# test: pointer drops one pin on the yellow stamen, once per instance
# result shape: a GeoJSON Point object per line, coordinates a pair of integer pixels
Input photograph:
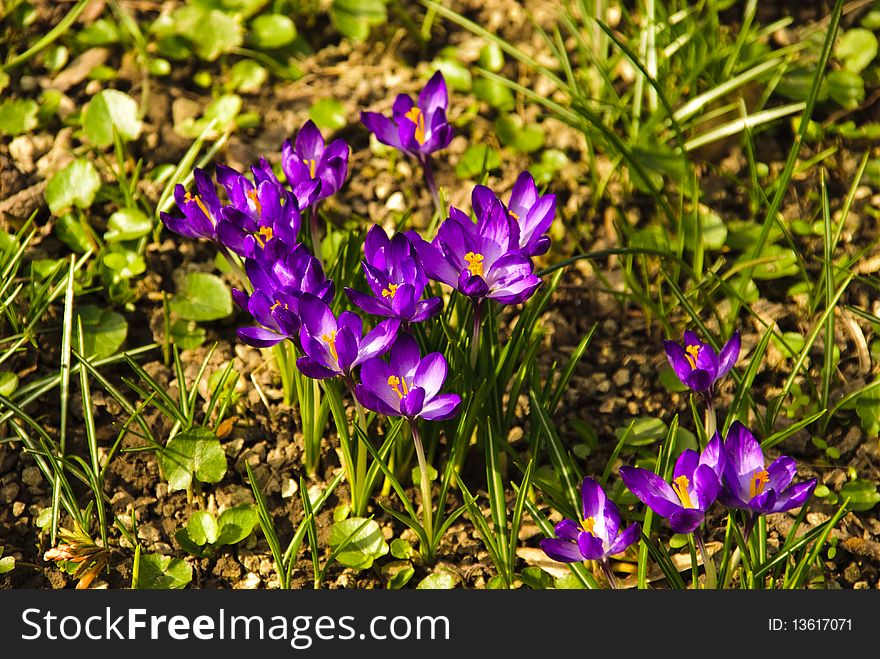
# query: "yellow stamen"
{"type": "Point", "coordinates": [311, 164]}
{"type": "Point", "coordinates": [588, 524]}
{"type": "Point", "coordinates": [278, 304]}
{"type": "Point", "coordinates": [514, 215]}
{"type": "Point", "coordinates": [396, 383]}
{"type": "Point", "coordinates": [390, 291]}
{"type": "Point", "coordinates": [680, 485]}
{"type": "Point", "coordinates": [252, 194]}
{"type": "Point", "coordinates": [330, 339]}
{"type": "Point", "coordinates": [196, 198]}
{"type": "Point", "coordinates": [759, 480]}
{"type": "Point", "coordinates": [475, 263]}
{"type": "Point", "coordinates": [692, 352]}
{"type": "Point", "coordinates": [415, 115]}
{"type": "Point", "coordinates": [264, 235]}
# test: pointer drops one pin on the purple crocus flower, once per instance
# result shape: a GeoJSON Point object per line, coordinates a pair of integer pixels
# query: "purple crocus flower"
{"type": "Point", "coordinates": [749, 485]}
{"type": "Point", "coordinates": [335, 346]}
{"type": "Point", "coordinates": [201, 211]}
{"type": "Point", "coordinates": [275, 216]}
{"type": "Point", "coordinates": [279, 277]}
{"type": "Point", "coordinates": [480, 260]}
{"type": "Point", "coordinates": [418, 129]}
{"type": "Point", "coordinates": [697, 365]}
{"type": "Point", "coordinates": [696, 483]}
{"type": "Point", "coordinates": [314, 171]}
{"type": "Point", "coordinates": [533, 212]}
{"type": "Point", "coordinates": [595, 537]}
{"type": "Point", "coordinates": [409, 385]}
{"type": "Point", "coordinates": [396, 277]}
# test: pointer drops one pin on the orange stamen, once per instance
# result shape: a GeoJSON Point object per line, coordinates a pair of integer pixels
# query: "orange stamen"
{"type": "Point", "coordinates": [416, 116]}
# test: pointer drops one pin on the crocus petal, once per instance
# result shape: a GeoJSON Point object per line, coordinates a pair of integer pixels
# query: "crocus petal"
{"type": "Point", "coordinates": [411, 404]}
{"type": "Point", "coordinates": [378, 341]}
{"type": "Point", "coordinates": [259, 337]}
{"type": "Point", "coordinates": [472, 285]}
{"type": "Point", "coordinates": [652, 490]}
{"type": "Point", "coordinates": [481, 198]}
{"type": "Point", "coordinates": [728, 355]}
{"type": "Point", "coordinates": [713, 455]}
{"type": "Point", "coordinates": [434, 95]}
{"type": "Point", "coordinates": [794, 496]}
{"type": "Point", "coordinates": [568, 529]}
{"type": "Point", "coordinates": [706, 487]}
{"type": "Point", "coordinates": [309, 142]}
{"type": "Point", "coordinates": [427, 309]}
{"type": "Point", "coordinates": [743, 451]}
{"type": "Point", "coordinates": [590, 546]}
{"type": "Point", "coordinates": [628, 536]}
{"type": "Point", "coordinates": [312, 369]}
{"type": "Point", "coordinates": [678, 360]}
{"type": "Point", "coordinates": [699, 380]}
{"type": "Point", "coordinates": [686, 464]}
{"type": "Point", "coordinates": [403, 304]}
{"type": "Point", "coordinates": [443, 406]}
{"type": "Point", "coordinates": [431, 374]}
{"type": "Point", "coordinates": [405, 356]}
{"type": "Point", "coordinates": [780, 473]}
{"type": "Point", "coordinates": [435, 264]}
{"type": "Point", "coordinates": [592, 498]}
{"type": "Point", "coordinates": [374, 376]}
{"type": "Point", "coordinates": [686, 520]}
{"type": "Point", "coordinates": [563, 551]}
{"type": "Point", "coordinates": [346, 349]}
{"type": "Point", "coordinates": [383, 128]}
{"type": "Point", "coordinates": [368, 303]}
{"type": "Point", "coordinates": [372, 402]}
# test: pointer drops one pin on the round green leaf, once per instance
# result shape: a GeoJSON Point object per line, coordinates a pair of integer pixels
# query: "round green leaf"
{"type": "Point", "coordinates": [202, 528]}
{"type": "Point", "coordinates": [354, 18]}
{"type": "Point", "coordinates": [195, 451]}
{"type": "Point", "coordinates": [186, 335]}
{"type": "Point", "coordinates": [363, 548]}
{"type": "Point", "coordinates": [202, 297]}
{"type": "Point", "coordinates": [438, 581]}
{"type": "Point", "coordinates": [846, 87]}
{"type": "Point", "coordinates": [104, 331]}
{"type": "Point", "coordinates": [856, 48]}
{"type": "Point", "coordinates": [781, 262]}
{"type": "Point", "coordinates": [272, 31]}
{"type": "Point", "coordinates": [18, 116]}
{"type": "Point", "coordinates": [862, 494]}
{"type": "Point", "coordinates": [247, 77]}
{"type": "Point", "coordinates": [477, 158]}
{"type": "Point", "coordinates": [75, 185]}
{"type": "Point", "coordinates": [108, 110]}
{"type": "Point", "coordinates": [8, 383]}
{"type": "Point", "coordinates": [457, 76]}
{"type": "Point", "coordinates": [236, 524]}
{"type": "Point", "coordinates": [328, 113]}
{"type": "Point", "coordinates": [158, 572]}
{"type": "Point", "coordinates": [492, 57]}
{"type": "Point", "coordinates": [211, 31]}
{"type": "Point", "coordinates": [127, 224]}
{"type": "Point", "coordinates": [645, 431]}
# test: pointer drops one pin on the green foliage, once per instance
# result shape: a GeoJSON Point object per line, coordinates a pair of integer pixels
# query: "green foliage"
{"type": "Point", "coordinates": [111, 112]}
{"type": "Point", "coordinates": [272, 31]}
{"type": "Point", "coordinates": [74, 185]}
{"type": "Point", "coordinates": [328, 114]}
{"type": "Point", "coordinates": [355, 18]}
{"type": "Point", "coordinates": [357, 542]}
{"type": "Point", "coordinates": [211, 32]}
{"type": "Point", "coordinates": [103, 331]}
{"type": "Point", "coordinates": [18, 116]}
{"type": "Point", "coordinates": [158, 572]}
{"type": "Point", "coordinates": [195, 452]}
{"type": "Point", "coordinates": [204, 532]}
{"type": "Point", "coordinates": [478, 158]}
{"type": "Point", "coordinates": [202, 297]}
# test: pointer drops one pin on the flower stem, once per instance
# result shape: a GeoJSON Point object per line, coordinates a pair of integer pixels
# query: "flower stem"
{"type": "Point", "coordinates": [708, 562]}
{"type": "Point", "coordinates": [313, 233]}
{"type": "Point", "coordinates": [711, 422]}
{"type": "Point", "coordinates": [358, 487]}
{"type": "Point", "coordinates": [428, 170]}
{"type": "Point", "coordinates": [609, 573]}
{"type": "Point", "coordinates": [475, 335]}
{"type": "Point", "coordinates": [425, 484]}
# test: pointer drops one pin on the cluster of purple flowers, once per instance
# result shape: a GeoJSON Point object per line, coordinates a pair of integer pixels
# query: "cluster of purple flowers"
{"type": "Point", "coordinates": [290, 296]}
{"type": "Point", "coordinates": [733, 471]}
